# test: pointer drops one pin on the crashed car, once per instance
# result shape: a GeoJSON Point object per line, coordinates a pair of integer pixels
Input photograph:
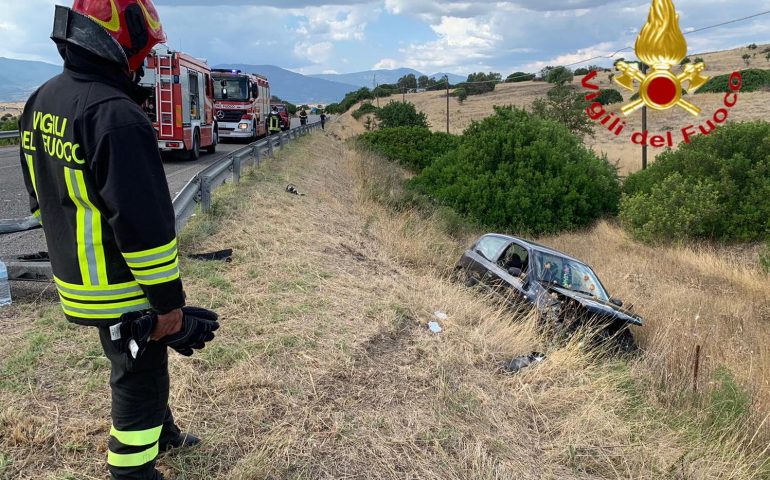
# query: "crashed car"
{"type": "Point", "coordinates": [565, 291]}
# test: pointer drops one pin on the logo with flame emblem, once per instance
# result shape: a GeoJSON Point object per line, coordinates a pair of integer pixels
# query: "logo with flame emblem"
{"type": "Point", "coordinates": [661, 46]}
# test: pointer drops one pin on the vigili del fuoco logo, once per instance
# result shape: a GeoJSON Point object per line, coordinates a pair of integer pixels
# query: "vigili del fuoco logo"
{"type": "Point", "coordinates": [662, 47]}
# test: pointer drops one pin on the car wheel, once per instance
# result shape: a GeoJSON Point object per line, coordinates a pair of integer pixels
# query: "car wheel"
{"type": "Point", "coordinates": [195, 152]}
{"type": "Point", "coordinates": [619, 342]}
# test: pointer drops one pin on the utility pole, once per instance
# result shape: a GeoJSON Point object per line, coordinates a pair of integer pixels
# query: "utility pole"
{"type": "Point", "coordinates": [374, 82]}
{"type": "Point", "coordinates": [403, 94]}
{"type": "Point", "coordinates": [447, 102]}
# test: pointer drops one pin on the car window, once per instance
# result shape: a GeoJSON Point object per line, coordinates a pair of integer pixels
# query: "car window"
{"type": "Point", "coordinates": [515, 256]}
{"type": "Point", "coordinates": [489, 247]}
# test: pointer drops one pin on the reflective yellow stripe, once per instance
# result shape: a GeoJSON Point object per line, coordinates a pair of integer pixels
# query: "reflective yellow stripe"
{"type": "Point", "coordinates": [150, 263]}
{"type": "Point", "coordinates": [105, 306]}
{"type": "Point", "coordinates": [152, 251]}
{"type": "Point", "coordinates": [132, 459]}
{"type": "Point", "coordinates": [92, 288]}
{"type": "Point", "coordinates": [137, 438]}
{"type": "Point", "coordinates": [31, 169]}
{"type": "Point", "coordinates": [80, 230]}
{"type": "Point", "coordinates": [96, 228]}
{"type": "Point", "coordinates": [158, 275]}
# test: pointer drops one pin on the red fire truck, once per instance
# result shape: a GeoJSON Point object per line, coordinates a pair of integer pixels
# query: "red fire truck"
{"type": "Point", "coordinates": [181, 105]}
{"type": "Point", "coordinates": [242, 104]}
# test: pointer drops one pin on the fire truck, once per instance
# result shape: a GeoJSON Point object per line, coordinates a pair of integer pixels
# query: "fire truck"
{"type": "Point", "coordinates": [242, 104]}
{"type": "Point", "coordinates": [181, 106]}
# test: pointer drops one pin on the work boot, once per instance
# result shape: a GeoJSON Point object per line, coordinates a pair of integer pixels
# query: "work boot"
{"type": "Point", "coordinates": [182, 440]}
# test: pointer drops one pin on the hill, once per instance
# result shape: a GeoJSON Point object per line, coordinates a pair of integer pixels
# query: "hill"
{"type": "Point", "coordinates": [751, 106]}
{"type": "Point", "coordinates": [368, 78]}
{"type": "Point", "coordinates": [19, 78]}
{"type": "Point", "coordinates": [295, 87]}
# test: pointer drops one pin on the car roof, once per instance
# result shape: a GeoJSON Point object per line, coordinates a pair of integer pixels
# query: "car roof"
{"type": "Point", "coordinates": [534, 246]}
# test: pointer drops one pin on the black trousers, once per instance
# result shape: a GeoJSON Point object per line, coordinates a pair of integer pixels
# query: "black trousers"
{"type": "Point", "coordinates": [142, 423]}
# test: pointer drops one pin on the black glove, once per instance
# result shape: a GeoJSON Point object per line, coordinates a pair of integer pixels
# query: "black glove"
{"type": "Point", "coordinates": [198, 327]}
{"type": "Point", "coordinates": [132, 334]}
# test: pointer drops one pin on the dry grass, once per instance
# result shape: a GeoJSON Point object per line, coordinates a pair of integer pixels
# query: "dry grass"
{"type": "Point", "coordinates": [324, 367]}
{"type": "Point", "coordinates": [620, 150]}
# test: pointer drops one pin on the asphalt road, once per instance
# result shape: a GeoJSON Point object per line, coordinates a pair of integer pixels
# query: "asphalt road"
{"type": "Point", "coordinates": [14, 199]}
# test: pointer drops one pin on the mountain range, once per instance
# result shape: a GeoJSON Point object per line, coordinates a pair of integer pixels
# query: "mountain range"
{"type": "Point", "coordinates": [19, 78]}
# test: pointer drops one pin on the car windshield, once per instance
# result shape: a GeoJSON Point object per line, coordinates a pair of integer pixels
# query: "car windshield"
{"type": "Point", "coordinates": [569, 274]}
{"type": "Point", "coordinates": [279, 108]}
{"type": "Point", "coordinates": [237, 88]}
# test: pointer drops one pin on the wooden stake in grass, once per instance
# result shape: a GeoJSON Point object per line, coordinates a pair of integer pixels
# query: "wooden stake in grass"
{"type": "Point", "coordinates": [696, 369]}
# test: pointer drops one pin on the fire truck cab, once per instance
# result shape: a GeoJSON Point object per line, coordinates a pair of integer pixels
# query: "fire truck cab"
{"type": "Point", "coordinates": [242, 104]}
{"type": "Point", "coordinates": [181, 106]}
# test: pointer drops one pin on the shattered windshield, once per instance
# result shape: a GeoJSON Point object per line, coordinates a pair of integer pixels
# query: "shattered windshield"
{"type": "Point", "coordinates": [237, 88]}
{"type": "Point", "coordinates": [568, 274]}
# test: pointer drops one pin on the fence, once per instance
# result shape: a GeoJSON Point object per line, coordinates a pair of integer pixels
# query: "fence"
{"type": "Point", "coordinates": [197, 192]}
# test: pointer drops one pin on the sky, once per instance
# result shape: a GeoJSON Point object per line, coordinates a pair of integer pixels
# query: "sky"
{"type": "Point", "coordinates": [342, 36]}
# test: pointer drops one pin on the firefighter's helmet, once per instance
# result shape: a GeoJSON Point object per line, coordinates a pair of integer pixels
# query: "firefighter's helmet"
{"type": "Point", "coordinates": [122, 31]}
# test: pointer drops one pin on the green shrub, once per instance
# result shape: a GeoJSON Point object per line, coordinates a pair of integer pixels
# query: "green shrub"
{"type": "Point", "coordinates": [7, 124]}
{"type": "Point", "coordinates": [753, 79]}
{"type": "Point", "coordinates": [517, 171]}
{"type": "Point", "coordinates": [566, 106]}
{"type": "Point", "coordinates": [559, 75]}
{"type": "Point", "coordinates": [365, 109]}
{"type": "Point", "coordinates": [764, 257]}
{"type": "Point", "coordinates": [461, 94]}
{"type": "Point", "coordinates": [520, 77]}
{"type": "Point", "coordinates": [609, 96]}
{"type": "Point", "coordinates": [412, 147]}
{"type": "Point", "coordinates": [699, 60]}
{"type": "Point", "coordinates": [400, 114]}
{"type": "Point", "coordinates": [685, 61]}
{"type": "Point", "coordinates": [725, 181]}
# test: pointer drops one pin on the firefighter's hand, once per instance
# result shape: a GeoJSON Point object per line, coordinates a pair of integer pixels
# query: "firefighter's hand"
{"type": "Point", "coordinates": [168, 324]}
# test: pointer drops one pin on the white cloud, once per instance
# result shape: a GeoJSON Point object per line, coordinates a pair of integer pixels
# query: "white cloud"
{"type": "Point", "coordinates": [314, 52]}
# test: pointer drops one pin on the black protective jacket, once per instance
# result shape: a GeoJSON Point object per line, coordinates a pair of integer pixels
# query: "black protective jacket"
{"type": "Point", "coordinates": [95, 178]}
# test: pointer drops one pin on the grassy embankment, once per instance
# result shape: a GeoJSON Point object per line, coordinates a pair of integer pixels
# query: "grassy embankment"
{"type": "Point", "coordinates": [324, 367]}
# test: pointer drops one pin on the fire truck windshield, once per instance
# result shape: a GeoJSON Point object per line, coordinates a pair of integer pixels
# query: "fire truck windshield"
{"type": "Point", "coordinates": [236, 88]}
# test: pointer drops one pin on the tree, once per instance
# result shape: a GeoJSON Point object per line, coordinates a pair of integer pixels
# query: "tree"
{"type": "Point", "coordinates": [400, 114]}
{"type": "Point", "coordinates": [481, 82]}
{"type": "Point", "coordinates": [423, 81]}
{"type": "Point", "coordinates": [559, 75]}
{"type": "Point", "coordinates": [567, 107]}
{"type": "Point", "coordinates": [520, 77]}
{"type": "Point", "coordinates": [746, 59]}
{"type": "Point", "coordinates": [407, 81]}
{"type": "Point", "coordinates": [461, 94]}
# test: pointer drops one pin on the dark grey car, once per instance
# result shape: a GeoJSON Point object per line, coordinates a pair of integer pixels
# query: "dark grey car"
{"type": "Point", "coordinates": [566, 292]}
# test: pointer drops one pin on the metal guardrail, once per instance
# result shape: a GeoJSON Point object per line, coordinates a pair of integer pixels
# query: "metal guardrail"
{"type": "Point", "coordinates": [9, 134]}
{"type": "Point", "coordinates": [197, 192]}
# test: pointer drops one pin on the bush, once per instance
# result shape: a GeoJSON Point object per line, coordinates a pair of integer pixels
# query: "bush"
{"type": "Point", "coordinates": [753, 79]}
{"type": "Point", "coordinates": [609, 96]}
{"type": "Point", "coordinates": [517, 171]}
{"type": "Point", "coordinates": [699, 60]}
{"type": "Point", "coordinates": [365, 109]}
{"type": "Point", "coordinates": [461, 94]}
{"type": "Point", "coordinates": [480, 83]}
{"type": "Point", "coordinates": [764, 258]}
{"type": "Point", "coordinates": [559, 75]}
{"type": "Point", "coordinates": [725, 183]}
{"type": "Point", "coordinates": [413, 147]}
{"type": "Point", "coordinates": [7, 124]}
{"type": "Point", "coordinates": [520, 77]}
{"type": "Point", "coordinates": [566, 106]}
{"type": "Point", "coordinates": [400, 114]}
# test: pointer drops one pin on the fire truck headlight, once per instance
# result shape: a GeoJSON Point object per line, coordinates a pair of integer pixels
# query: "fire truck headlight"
{"type": "Point", "coordinates": [243, 126]}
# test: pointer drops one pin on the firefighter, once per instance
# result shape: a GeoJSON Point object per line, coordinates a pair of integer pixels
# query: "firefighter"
{"type": "Point", "coordinates": [96, 182]}
{"type": "Point", "coordinates": [303, 117]}
{"type": "Point", "coordinates": [274, 122]}
{"type": "Point", "coordinates": [323, 120]}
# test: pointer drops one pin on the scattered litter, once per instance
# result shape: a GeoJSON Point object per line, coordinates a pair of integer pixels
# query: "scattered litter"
{"type": "Point", "coordinates": [34, 257]}
{"type": "Point", "coordinates": [291, 188]}
{"type": "Point", "coordinates": [440, 315]}
{"type": "Point", "coordinates": [222, 255]}
{"type": "Point", "coordinates": [520, 363]}
{"type": "Point", "coordinates": [435, 327]}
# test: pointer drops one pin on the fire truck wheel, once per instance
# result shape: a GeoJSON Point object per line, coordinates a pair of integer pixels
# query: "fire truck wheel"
{"type": "Point", "coordinates": [195, 152]}
{"type": "Point", "coordinates": [213, 147]}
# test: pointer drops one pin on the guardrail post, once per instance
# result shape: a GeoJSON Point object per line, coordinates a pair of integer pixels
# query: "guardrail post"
{"type": "Point", "coordinates": [280, 139]}
{"type": "Point", "coordinates": [237, 169]}
{"type": "Point", "coordinates": [270, 147]}
{"type": "Point", "coordinates": [257, 153]}
{"type": "Point", "coordinates": [205, 194]}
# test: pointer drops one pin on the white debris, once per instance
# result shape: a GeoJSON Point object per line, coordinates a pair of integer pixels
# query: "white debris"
{"type": "Point", "coordinates": [435, 327]}
{"type": "Point", "coordinates": [440, 315]}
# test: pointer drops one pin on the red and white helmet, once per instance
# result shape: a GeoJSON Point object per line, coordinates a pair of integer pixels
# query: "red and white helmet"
{"type": "Point", "coordinates": [134, 25]}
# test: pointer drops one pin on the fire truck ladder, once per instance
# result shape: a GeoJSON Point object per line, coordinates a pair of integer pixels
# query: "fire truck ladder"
{"type": "Point", "coordinates": [165, 95]}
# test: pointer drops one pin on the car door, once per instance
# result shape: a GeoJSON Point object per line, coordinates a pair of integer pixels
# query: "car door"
{"type": "Point", "coordinates": [482, 258]}
{"type": "Point", "coordinates": [507, 285]}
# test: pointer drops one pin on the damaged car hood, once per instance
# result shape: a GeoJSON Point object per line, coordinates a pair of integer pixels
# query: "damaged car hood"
{"type": "Point", "coordinates": [596, 306]}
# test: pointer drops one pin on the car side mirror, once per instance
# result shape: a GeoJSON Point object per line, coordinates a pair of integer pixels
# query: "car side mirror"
{"type": "Point", "coordinates": [616, 302]}
{"type": "Point", "coordinates": [515, 272]}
